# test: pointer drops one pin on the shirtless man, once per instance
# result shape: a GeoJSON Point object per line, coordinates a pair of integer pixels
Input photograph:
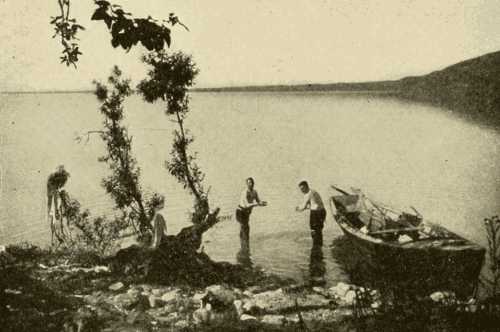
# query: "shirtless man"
{"type": "Point", "coordinates": [248, 200]}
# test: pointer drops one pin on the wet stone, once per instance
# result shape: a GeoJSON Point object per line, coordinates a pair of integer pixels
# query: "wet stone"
{"type": "Point", "coordinates": [116, 286]}
{"type": "Point", "coordinates": [155, 301]}
{"type": "Point", "coordinates": [273, 319]}
{"type": "Point", "coordinates": [245, 318]}
{"type": "Point", "coordinates": [182, 324]}
{"type": "Point", "coordinates": [314, 300]}
{"type": "Point", "coordinates": [170, 296]}
{"type": "Point", "coordinates": [274, 301]}
{"type": "Point", "coordinates": [220, 296]}
{"type": "Point", "coordinates": [126, 301]}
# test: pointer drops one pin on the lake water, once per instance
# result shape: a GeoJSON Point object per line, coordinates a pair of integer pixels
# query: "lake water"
{"type": "Point", "coordinates": [398, 152]}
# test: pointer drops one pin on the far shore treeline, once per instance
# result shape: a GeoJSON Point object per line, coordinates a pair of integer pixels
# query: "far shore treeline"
{"type": "Point", "coordinates": [471, 87]}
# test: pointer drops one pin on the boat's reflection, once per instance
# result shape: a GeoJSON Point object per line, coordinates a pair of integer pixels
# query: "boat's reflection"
{"type": "Point", "coordinates": [385, 273]}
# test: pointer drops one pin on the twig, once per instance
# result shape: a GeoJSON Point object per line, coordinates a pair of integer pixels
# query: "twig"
{"type": "Point", "coordinates": [79, 138]}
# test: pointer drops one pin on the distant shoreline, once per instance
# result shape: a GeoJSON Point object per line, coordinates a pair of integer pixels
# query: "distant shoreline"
{"type": "Point", "coordinates": [44, 92]}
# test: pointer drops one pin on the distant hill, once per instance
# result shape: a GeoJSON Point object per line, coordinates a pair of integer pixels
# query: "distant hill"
{"type": "Point", "coordinates": [471, 87]}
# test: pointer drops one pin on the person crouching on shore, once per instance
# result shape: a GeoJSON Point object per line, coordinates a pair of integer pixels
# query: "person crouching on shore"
{"type": "Point", "coordinates": [313, 202]}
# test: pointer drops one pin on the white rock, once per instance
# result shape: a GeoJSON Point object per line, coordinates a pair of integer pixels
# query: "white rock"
{"type": "Point", "coordinates": [273, 319]}
{"type": "Point", "coordinates": [350, 297]}
{"type": "Point", "coordinates": [116, 286]}
{"type": "Point", "coordinates": [248, 293]}
{"type": "Point", "coordinates": [157, 292]}
{"type": "Point", "coordinates": [198, 297]}
{"type": "Point", "coordinates": [249, 305]}
{"type": "Point", "coordinates": [201, 316]}
{"type": "Point", "coordinates": [340, 289]}
{"type": "Point", "coordinates": [182, 324]}
{"type": "Point", "coordinates": [3, 249]}
{"type": "Point", "coordinates": [437, 296]}
{"type": "Point", "coordinates": [100, 269]}
{"type": "Point", "coordinates": [293, 319]}
{"type": "Point", "coordinates": [223, 294]}
{"type": "Point", "coordinates": [238, 305]}
{"type": "Point", "coordinates": [404, 238]}
{"type": "Point", "coordinates": [246, 317]}
{"type": "Point", "coordinates": [171, 296]}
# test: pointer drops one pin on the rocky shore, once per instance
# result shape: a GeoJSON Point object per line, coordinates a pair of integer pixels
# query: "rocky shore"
{"type": "Point", "coordinates": [45, 292]}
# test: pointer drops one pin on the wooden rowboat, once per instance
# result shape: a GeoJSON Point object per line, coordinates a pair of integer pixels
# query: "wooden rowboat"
{"type": "Point", "coordinates": [405, 247]}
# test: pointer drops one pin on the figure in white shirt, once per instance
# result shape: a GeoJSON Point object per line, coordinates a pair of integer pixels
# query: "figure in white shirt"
{"type": "Point", "coordinates": [248, 200]}
{"type": "Point", "coordinates": [159, 227]}
{"type": "Point", "coordinates": [313, 202]}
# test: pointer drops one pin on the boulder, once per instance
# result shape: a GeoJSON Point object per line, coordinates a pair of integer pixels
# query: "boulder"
{"type": "Point", "coordinates": [222, 293]}
{"type": "Point", "coordinates": [313, 301]}
{"type": "Point", "coordinates": [350, 297]}
{"type": "Point", "coordinates": [248, 293]}
{"type": "Point", "coordinates": [136, 316]}
{"type": "Point", "coordinates": [343, 312]}
{"type": "Point", "coordinates": [101, 269]}
{"type": "Point", "coordinates": [158, 291]}
{"type": "Point", "coordinates": [273, 301]}
{"type": "Point", "coordinates": [116, 286]}
{"type": "Point", "coordinates": [125, 300]}
{"type": "Point", "coordinates": [339, 290]}
{"type": "Point", "coordinates": [437, 296]}
{"type": "Point", "coordinates": [249, 306]}
{"type": "Point", "coordinates": [94, 298]}
{"type": "Point", "coordinates": [273, 319]}
{"type": "Point", "coordinates": [171, 296]}
{"type": "Point", "coordinates": [155, 301]}
{"type": "Point", "coordinates": [320, 315]}
{"type": "Point", "coordinates": [201, 316]}
{"type": "Point", "coordinates": [182, 324]}
{"type": "Point", "coordinates": [168, 319]}
{"type": "Point", "coordinates": [246, 317]}
{"type": "Point", "coordinates": [238, 305]}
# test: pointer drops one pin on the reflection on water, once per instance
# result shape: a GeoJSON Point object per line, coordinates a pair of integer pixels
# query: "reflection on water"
{"type": "Point", "coordinates": [243, 257]}
{"type": "Point", "coordinates": [317, 266]}
{"type": "Point", "coordinates": [390, 274]}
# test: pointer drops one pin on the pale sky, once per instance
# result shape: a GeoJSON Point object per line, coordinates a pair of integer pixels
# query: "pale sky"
{"type": "Point", "coordinates": [236, 42]}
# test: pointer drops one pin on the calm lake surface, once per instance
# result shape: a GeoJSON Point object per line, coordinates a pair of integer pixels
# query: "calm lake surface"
{"type": "Point", "coordinates": [397, 152]}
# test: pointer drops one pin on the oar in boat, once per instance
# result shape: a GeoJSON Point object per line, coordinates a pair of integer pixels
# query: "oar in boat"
{"type": "Point", "coordinates": [340, 190]}
{"type": "Point", "coordinates": [418, 213]}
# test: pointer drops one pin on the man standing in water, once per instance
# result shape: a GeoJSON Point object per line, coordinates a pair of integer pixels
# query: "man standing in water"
{"type": "Point", "coordinates": [249, 199]}
{"type": "Point", "coordinates": [313, 202]}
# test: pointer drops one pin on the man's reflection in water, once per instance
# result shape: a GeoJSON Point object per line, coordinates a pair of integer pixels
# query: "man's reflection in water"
{"type": "Point", "coordinates": [243, 256]}
{"type": "Point", "coordinates": [317, 267]}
